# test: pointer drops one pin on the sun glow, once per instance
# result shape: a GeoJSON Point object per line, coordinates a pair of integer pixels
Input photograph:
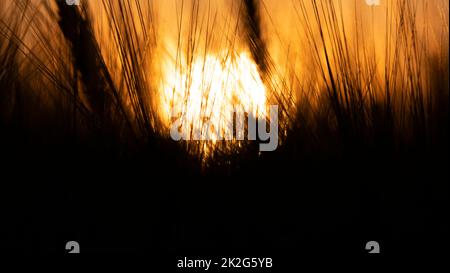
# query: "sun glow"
{"type": "Point", "coordinates": [206, 93]}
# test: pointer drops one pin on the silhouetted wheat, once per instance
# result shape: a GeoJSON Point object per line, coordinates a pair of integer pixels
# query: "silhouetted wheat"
{"type": "Point", "coordinates": [97, 73]}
